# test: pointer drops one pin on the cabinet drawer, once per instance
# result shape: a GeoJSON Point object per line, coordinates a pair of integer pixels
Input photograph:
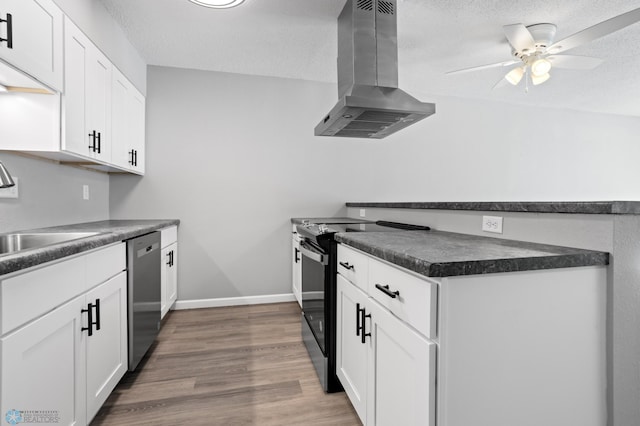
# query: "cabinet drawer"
{"type": "Point", "coordinates": [168, 236]}
{"type": "Point", "coordinates": [104, 264]}
{"type": "Point", "coordinates": [32, 294]}
{"type": "Point", "coordinates": [408, 297]}
{"type": "Point", "coordinates": [353, 266]}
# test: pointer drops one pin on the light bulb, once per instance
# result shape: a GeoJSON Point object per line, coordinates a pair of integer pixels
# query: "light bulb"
{"type": "Point", "coordinates": [217, 4]}
{"type": "Point", "coordinates": [540, 67]}
{"type": "Point", "coordinates": [539, 79]}
{"type": "Point", "coordinates": [515, 75]}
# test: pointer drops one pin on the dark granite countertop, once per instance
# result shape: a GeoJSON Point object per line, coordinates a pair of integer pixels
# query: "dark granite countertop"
{"type": "Point", "coordinates": [444, 254]}
{"type": "Point", "coordinates": [327, 220]}
{"type": "Point", "coordinates": [110, 231]}
{"type": "Point", "coordinates": [575, 207]}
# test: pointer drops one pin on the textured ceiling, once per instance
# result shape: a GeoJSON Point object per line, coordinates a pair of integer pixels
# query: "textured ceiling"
{"type": "Point", "coordinates": [297, 39]}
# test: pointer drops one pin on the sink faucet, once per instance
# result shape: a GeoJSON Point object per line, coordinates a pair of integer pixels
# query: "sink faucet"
{"type": "Point", "coordinates": [5, 177]}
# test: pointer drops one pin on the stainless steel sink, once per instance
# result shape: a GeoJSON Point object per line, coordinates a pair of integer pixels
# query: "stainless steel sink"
{"type": "Point", "coordinates": [11, 243]}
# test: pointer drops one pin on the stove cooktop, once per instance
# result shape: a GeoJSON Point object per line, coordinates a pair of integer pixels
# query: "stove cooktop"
{"type": "Point", "coordinates": [326, 231]}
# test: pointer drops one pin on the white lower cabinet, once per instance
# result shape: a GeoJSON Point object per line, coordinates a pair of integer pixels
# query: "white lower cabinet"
{"type": "Point", "coordinates": [514, 348]}
{"type": "Point", "coordinates": [60, 366]}
{"type": "Point", "coordinates": [168, 269]}
{"type": "Point", "coordinates": [296, 267]}
{"type": "Point", "coordinates": [106, 350]}
{"type": "Point", "coordinates": [351, 352]}
{"type": "Point", "coordinates": [385, 367]}
{"type": "Point", "coordinates": [169, 278]}
{"type": "Point", "coordinates": [401, 364]}
{"type": "Point", "coordinates": [43, 367]}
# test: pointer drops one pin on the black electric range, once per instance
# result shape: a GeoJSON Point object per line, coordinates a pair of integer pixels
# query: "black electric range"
{"type": "Point", "coordinates": [319, 268]}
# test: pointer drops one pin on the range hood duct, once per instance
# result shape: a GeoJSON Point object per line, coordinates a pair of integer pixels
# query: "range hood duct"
{"type": "Point", "coordinates": [370, 104]}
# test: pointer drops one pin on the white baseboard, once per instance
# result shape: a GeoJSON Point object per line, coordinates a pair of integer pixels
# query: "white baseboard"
{"type": "Point", "coordinates": [233, 301]}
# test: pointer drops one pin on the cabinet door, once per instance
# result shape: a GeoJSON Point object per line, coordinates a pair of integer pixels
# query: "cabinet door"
{"type": "Point", "coordinates": [137, 129]}
{"type": "Point", "coordinates": [43, 366]}
{"type": "Point", "coordinates": [87, 97]}
{"type": "Point", "coordinates": [401, 367]}
{"type": "Point", "coordinates": [107, 347]}
{"type": "Point", "coordinates": [98, 102]}
{"type": "Point", "coordinates": [127, 124]}
{"type": "Point", "coordinates": [120, 138]}
{"type": "Point", "coordinates": [296, 269]}
{"type": "Point", "coordinates": [172, 275]}
{"type": "Point", "coordinates": [36, 38]}
{"type": "Point", "coordinates": [165, 258]}
{"type": "Point", "coordinates": [74, 136]}
{"type": "Point", "coordinates": [351, 353]}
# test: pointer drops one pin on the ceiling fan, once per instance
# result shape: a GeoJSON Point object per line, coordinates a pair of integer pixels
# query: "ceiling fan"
{"type": "Point", "coordinates": [536, 52]}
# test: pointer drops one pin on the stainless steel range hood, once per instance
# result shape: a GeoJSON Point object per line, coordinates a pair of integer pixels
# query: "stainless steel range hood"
{"type": "Point", "coordinates": [370, 104]}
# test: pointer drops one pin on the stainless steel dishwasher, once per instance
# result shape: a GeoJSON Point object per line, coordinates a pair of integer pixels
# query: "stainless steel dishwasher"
{"type": "Point", "coordinates": [143, 265]}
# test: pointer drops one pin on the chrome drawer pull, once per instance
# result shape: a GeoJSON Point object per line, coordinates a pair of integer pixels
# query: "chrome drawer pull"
{"type": "Point", "coordinates": [385, 290]}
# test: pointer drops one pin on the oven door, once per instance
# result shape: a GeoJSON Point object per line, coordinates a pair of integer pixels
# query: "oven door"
{"type": "Point", "coordinates": [314, 270]}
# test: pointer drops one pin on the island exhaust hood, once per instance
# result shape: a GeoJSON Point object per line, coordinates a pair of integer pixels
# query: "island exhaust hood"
{"type": "Point", "coordinates": [370, 104]}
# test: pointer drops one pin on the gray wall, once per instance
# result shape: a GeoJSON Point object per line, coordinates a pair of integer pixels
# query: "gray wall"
{"type": "Point", "coordinates": [234, 157]}
{"type": "Point", "coordinates": [51, 194]}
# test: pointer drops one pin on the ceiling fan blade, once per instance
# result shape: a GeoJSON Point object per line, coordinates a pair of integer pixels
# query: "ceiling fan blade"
{"type": "Point", "coordinates": [519, 37]}
{"type": "Point", "coordinates": [574, 62]}
{"type": "Point", "coordinates": [599, 30]}
{"type": "Point", "coordinates": [482, 67]}
{"type": "Point", "coordinates": [501, 83]}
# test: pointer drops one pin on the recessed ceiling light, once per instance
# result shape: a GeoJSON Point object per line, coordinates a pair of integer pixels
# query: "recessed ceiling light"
{"type": "Point", "coordinates": [217, 4]}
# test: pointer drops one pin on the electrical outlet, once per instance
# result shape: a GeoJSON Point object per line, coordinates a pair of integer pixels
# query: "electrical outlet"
{"type": "Point", "coordinates": [85, 192]}
{"type": "Point", "coordinates": [11, 192]}
{"type": "Point", "coordinates": [362, 213]}
{"type": "Point", "coordinates": [492, 224]}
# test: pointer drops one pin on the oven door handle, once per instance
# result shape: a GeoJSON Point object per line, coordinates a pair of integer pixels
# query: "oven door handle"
{"type": "Point", "coordinates": [314, 255]}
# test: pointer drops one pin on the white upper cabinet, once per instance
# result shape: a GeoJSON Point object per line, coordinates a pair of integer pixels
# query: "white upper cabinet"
{"type": "Point", "coordinates": [87, 97]}
{"type": "Point", "coordinates": [96, 122]}
{"type": "Point", "coordinates": [127, 124]}
{"type": "Point", "coordinates": [31, 33]}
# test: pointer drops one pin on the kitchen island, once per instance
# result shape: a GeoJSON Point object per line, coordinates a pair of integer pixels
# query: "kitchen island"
{"type": "Point", "coordinates": [478, 330]}
{"type": "Point", "coordinates": [607, 226]}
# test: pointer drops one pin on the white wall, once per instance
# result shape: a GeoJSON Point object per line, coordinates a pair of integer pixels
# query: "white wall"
{"type": "Point", "coordinates": [94, 20]}
{"type": "Point", "coordinates": [51, 194]}
{"type": "Point", "coordinates": [234, 157]}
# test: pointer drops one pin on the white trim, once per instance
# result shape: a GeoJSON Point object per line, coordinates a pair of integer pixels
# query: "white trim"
{"type": "Point", "coordinates": [233, 301]}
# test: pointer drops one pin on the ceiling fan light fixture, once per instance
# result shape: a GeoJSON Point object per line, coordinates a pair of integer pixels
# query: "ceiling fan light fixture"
{"type": "Point", "coordinates": [218, 4]}
{"type": "Point", "coordinates": [515, 75]}
{"type": "Point", "coordinates": [540, 67]}
{"type": "Point", "coordinates": [539, 79]}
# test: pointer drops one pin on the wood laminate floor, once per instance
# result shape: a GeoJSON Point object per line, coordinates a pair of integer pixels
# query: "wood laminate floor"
{"type": "Point", "coordinates": [240, 365]}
